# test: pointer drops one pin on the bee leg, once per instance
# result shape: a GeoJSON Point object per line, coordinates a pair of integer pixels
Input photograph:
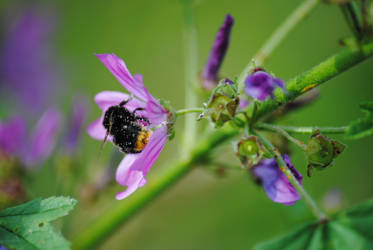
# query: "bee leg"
{"type": "Point", "coordinates": [141, 118]}
{"type": "Point", "coordinates": [125, 101]}
{"type": "Point", "coordinates": [138, 109]}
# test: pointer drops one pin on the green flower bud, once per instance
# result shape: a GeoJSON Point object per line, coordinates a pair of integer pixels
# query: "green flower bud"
{"type": "Point", "coordinates": [250, 151]}
{"type": "Point", "coordinates": [321, 151]}
{"type": "Point", "coordinates": [223, 103]}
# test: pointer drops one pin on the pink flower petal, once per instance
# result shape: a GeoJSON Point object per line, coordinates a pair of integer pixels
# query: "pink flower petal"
{"type": "Point", "coordinates": [96, 130]}
{"type": "Point", "coordinates": [106, 99]}
{"type": "Point", "coordinates": [134, 167]}
{"type": "Point", "coordinates": [119, 69]}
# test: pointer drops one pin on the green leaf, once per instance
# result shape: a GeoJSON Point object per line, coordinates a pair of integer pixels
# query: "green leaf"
{"type": "Point", "coordinates": [27, 226]}
{"type": "Point", "coordinates": [350, 229]}
{"type": "Point", "coordinates": [298, 239]}
{"type": "Point", "coordinates": [363, 126]}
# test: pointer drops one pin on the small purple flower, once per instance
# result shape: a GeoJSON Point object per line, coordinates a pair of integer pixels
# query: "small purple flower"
{"type": "Point", "coordinates": [134, 167]}
{"type": "Point", "coordinates": [275, 183]}
{"type": "Point", "coordinates": [42, 139]}
{"type": "Point", "coordinates": [243, 104]}
{"type": "Point", "coordinates": [79, 114]}
{"type": "Point", "coordinates": [210, 73]}
{"type": "Point", "coordinates": [31, 149]}
{"type": "Point", "coordinates": [260, 85]}
{"type": "Point", "coordinates": [12, 136]}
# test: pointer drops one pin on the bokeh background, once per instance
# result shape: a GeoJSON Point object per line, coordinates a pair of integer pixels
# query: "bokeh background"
{"type": "Point", "coordinates": [203, 210]}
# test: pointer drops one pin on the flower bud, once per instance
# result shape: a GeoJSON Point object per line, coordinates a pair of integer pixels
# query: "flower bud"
{"type": "Point", "coordinates": [250, 151]}
{"type": "Point", "coordinates": [210, 73]}
{"type": "Point", "coordinates": [223, 103]}
{"type": "Point", "coordinates": [321, 151]}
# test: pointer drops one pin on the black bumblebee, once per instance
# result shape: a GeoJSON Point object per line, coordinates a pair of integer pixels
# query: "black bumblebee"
{"type": "Point", "coordinates": [125, 127]}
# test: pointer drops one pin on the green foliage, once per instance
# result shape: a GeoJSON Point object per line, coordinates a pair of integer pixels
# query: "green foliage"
{"type": "Point", "coordinates": [364, 126]}
{"type": "Point", "coordinates": [27, 226]}
{"type": "Point", "coordinates": [350, 229]}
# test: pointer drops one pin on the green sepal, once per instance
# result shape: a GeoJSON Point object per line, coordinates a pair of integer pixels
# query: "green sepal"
{"type": "Point", "coordinates": [171, 118]}
{"type": "Point", "coordinates": [321, 151]}
{"type": "Point", "coordinates": [250, 151]}
{"type": "Point", "coordinates": [223, 103]}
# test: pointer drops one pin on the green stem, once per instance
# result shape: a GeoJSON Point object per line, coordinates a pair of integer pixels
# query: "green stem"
{"type": "Point", "coordinates": [331, 67]}
{"type": "Point", "coordinates": [112, 219]}
{"type": "Point", "coordinates": [299, 14]}
{"type": "Point", "coordinates": [284, 167]}
{"type": "Point", "coordinates": [181, 112]}
{"type": "Point", "coordinates": [191, 71]}
{"type": "Point", "coordinates": [121, 211]}
{"type": "Point", "coordinates": [280, 130]}
{"type": "Point", "coordinates": [305, 130]}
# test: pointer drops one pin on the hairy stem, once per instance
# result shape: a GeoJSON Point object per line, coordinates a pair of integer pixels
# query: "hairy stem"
{"type": "Point", "coordinates": [121, 211]}
{"type": "Point", "coordinates": [191, 71]}
{"type": "Point", "coordinates": [299, 14]}
{"type": "Point", "coordinates": [304, 130]}
{"type": "Point", "coordinates": [280, 130]}
{"type": "Point", "coordinates": [284, 167]}
{"type": "Point", "coordinates": [181, 112]}
{"type": "Point", "coordinates": [331, 67]}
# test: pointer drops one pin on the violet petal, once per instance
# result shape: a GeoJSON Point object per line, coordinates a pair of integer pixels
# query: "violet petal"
{"type": "Point", "coordinates": [43, 138]}
{"type": "Point", "coordinates": [134, 167]}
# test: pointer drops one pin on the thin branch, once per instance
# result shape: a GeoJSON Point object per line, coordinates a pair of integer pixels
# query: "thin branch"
{"type": "Point", "coordinates": [280, 130]}
{"type": "Point", "coordinates": [305, 130]}
{"type": "Point", "coordinates": [299, 14]}
{"type": "Point", "coordinates": [191, 71]}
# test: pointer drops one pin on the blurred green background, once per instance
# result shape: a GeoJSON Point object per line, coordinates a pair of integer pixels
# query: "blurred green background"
{"type": "Point", "coordinates": [204, 211]}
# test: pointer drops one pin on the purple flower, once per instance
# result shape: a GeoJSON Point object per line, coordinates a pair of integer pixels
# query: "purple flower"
{"type": "Point", "coordinates": [25, 58]}
{"type": "Point", "coordinates": [42, 139]}
{"type": "Point", "coordinates": [210, 73]}
{"type": "Point", "coordinates": [134, 167]}
{"type": "Point", "coordinates": [75, 126]}
{"type": "Point", "coordinates": [31, 149]}
{"type": "Point", "coordinates": [275, 183]}
{"type": "Point", "coordinates": [12, 136]}
{"type": "Point", "coordinates": [243, 104]}
{"type": "Point", "coordinates": [260, 85]}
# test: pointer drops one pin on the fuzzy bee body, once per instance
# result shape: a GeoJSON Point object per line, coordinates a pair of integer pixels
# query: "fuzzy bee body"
{"type": "Point", "coordinates": [128, 133]}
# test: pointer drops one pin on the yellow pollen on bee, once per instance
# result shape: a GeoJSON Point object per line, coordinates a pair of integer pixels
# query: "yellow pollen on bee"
{"type": "Point", "coordinates": [143, 139]}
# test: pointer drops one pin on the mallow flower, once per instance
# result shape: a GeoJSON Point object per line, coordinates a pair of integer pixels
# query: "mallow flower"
{"type": "Point", "coordinates": [276, 185]}
{"type": "Point", "coordinates": [32, 148]}
{"type": "Point", "coordinates": [134, 167]}
{"type": "Point", "coordinates": [210, 74]}
{"type": "Point", "coordinates": [260, 85]}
